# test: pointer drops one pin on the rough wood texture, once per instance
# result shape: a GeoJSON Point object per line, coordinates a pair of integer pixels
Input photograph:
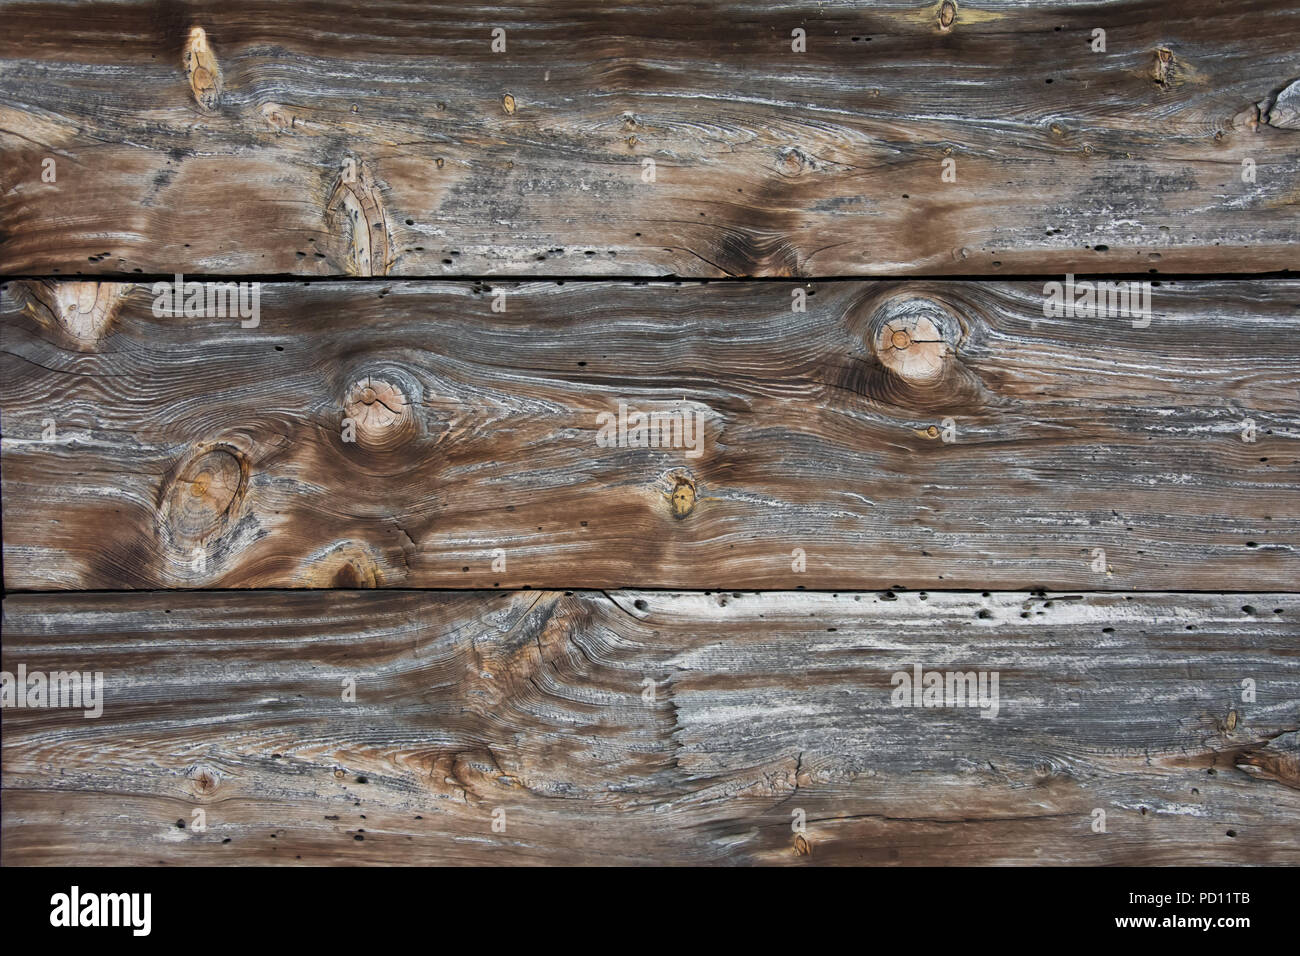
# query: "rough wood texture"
{"type": "Point", "coordinates": [214, 137]}
{"type": "Point", "coordinates": [144, 452]}
{"type": "Point", "coordinates": [763, 705]}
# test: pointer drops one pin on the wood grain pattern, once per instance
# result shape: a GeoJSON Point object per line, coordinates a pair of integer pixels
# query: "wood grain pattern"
{"type": "Point", "coordinates": [763, 704]}
{"type": "Point", "coordinates": [191, 452]}
{"type": "Point", "coordinates": [218, 151]}
{"type": "Point", "coordinates": [405, 478]}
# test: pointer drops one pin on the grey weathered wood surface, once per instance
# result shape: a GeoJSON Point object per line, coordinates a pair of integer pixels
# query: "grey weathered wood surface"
{"type": "Point", "coordinates": [190, 452]}
{"type": "Point", "coordinates": [146, 454]}
{"type": "Point", "coordinates": [764, 704]}
{"type": "Point", "coordinates": [224, 154]}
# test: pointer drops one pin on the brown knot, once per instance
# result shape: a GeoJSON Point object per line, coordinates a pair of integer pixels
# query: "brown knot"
{"type": "Point", "coordinates": [202, 70]}
{"type": "Point", "coordinates": [355, 213]}
{"type": "Point", "coordinates": [1163, 66]}
{"type": "Point", "coordinates": [346, 564]}
{"type": "Point", "coordinates": [379, 415]}
{"type": "Point", "coordinates": [912, 338]}
{"type": "Point", "coordinates": [204, 494]}
{"type": "Point", "coordinates": [82, 312]}
{"type": "Point", "coordinates": [681, 501]}
{"type": "Point", "coordinates": [947, 15]}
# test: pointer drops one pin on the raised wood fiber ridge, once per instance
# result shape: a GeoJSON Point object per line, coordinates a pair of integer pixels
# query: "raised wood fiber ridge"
{"type": "Point", "coordinates": [302, 137]}
{"type": "Point", "coordinates": [648, 727]}
{"type": "Point", "coordinates": [927, 433]}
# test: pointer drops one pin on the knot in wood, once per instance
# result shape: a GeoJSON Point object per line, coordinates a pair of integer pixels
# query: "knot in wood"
{"type": "Point", "coordinates": [1163, 65]}
{"type": "Point", "coordinates": [202, 69]}
{"type": "Point", "coordinates": [204, 780]}
{"type": "Point", "coordinates": [913, 337]}
{"type": "Point", "coordinates": [947, 15]}
{"type": "Point", "coordinates": [206, 491]}
{"type": "Point", "coordinates": [793, 159]}
{"type": "Point", "coordinates": [379, 414]}
{"type": "Point", "coordinates": [1283, 110]}
{"type": "Point", "coordinates": [347, 564]}
{"type": "Point", "coordinates": [355, 212]}
{"type": "Point", "coordinates": [682, 499]}
{"type": "Point", "coordinates": [82, 312]}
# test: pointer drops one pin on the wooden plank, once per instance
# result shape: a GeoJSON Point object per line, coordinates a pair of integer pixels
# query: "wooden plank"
{"type": "Point", "coordinates": [253, 136]}
{"type": "Point", "coordinates": [145, 451]}
{"type": "Point", "coordinates": [763, 705]}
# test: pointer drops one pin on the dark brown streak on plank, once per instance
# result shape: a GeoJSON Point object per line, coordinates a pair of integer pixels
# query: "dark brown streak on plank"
{"type": "Point", "coordinates": [768, 162]}
{"type": "Point", "coordinates": [764, 705]}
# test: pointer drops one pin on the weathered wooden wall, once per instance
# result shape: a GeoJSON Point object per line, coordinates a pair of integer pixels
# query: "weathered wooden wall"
{"type": "Point", "coordinates": [764, 704]}
{"type": "Point", "coordinates": [462, 260]}
{"type": "Point", "coordinates": [226, 154]}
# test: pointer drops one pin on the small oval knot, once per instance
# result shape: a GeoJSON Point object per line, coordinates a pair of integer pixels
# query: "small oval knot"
{"type": "Point", "coordinates": [913, 338]}
{"type": "Point", "coordinates": [377, 415]}
{"type": "Point", "coordinates": [204, 780]}
{"type": "Point", "coordinates": [206, 491]}
{"type": "Point", "coordinates": [681, 500]}
{"type": "Point", "coordinates": [947, 15]}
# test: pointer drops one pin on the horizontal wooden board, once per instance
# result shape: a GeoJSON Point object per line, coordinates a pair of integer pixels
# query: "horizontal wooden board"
{"type": "Point", "coordinates": [538, 705]}
{"type": "Point", "coordinates": [145, 451]}
{"type": "Point", "coordinates": [322, 138]}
